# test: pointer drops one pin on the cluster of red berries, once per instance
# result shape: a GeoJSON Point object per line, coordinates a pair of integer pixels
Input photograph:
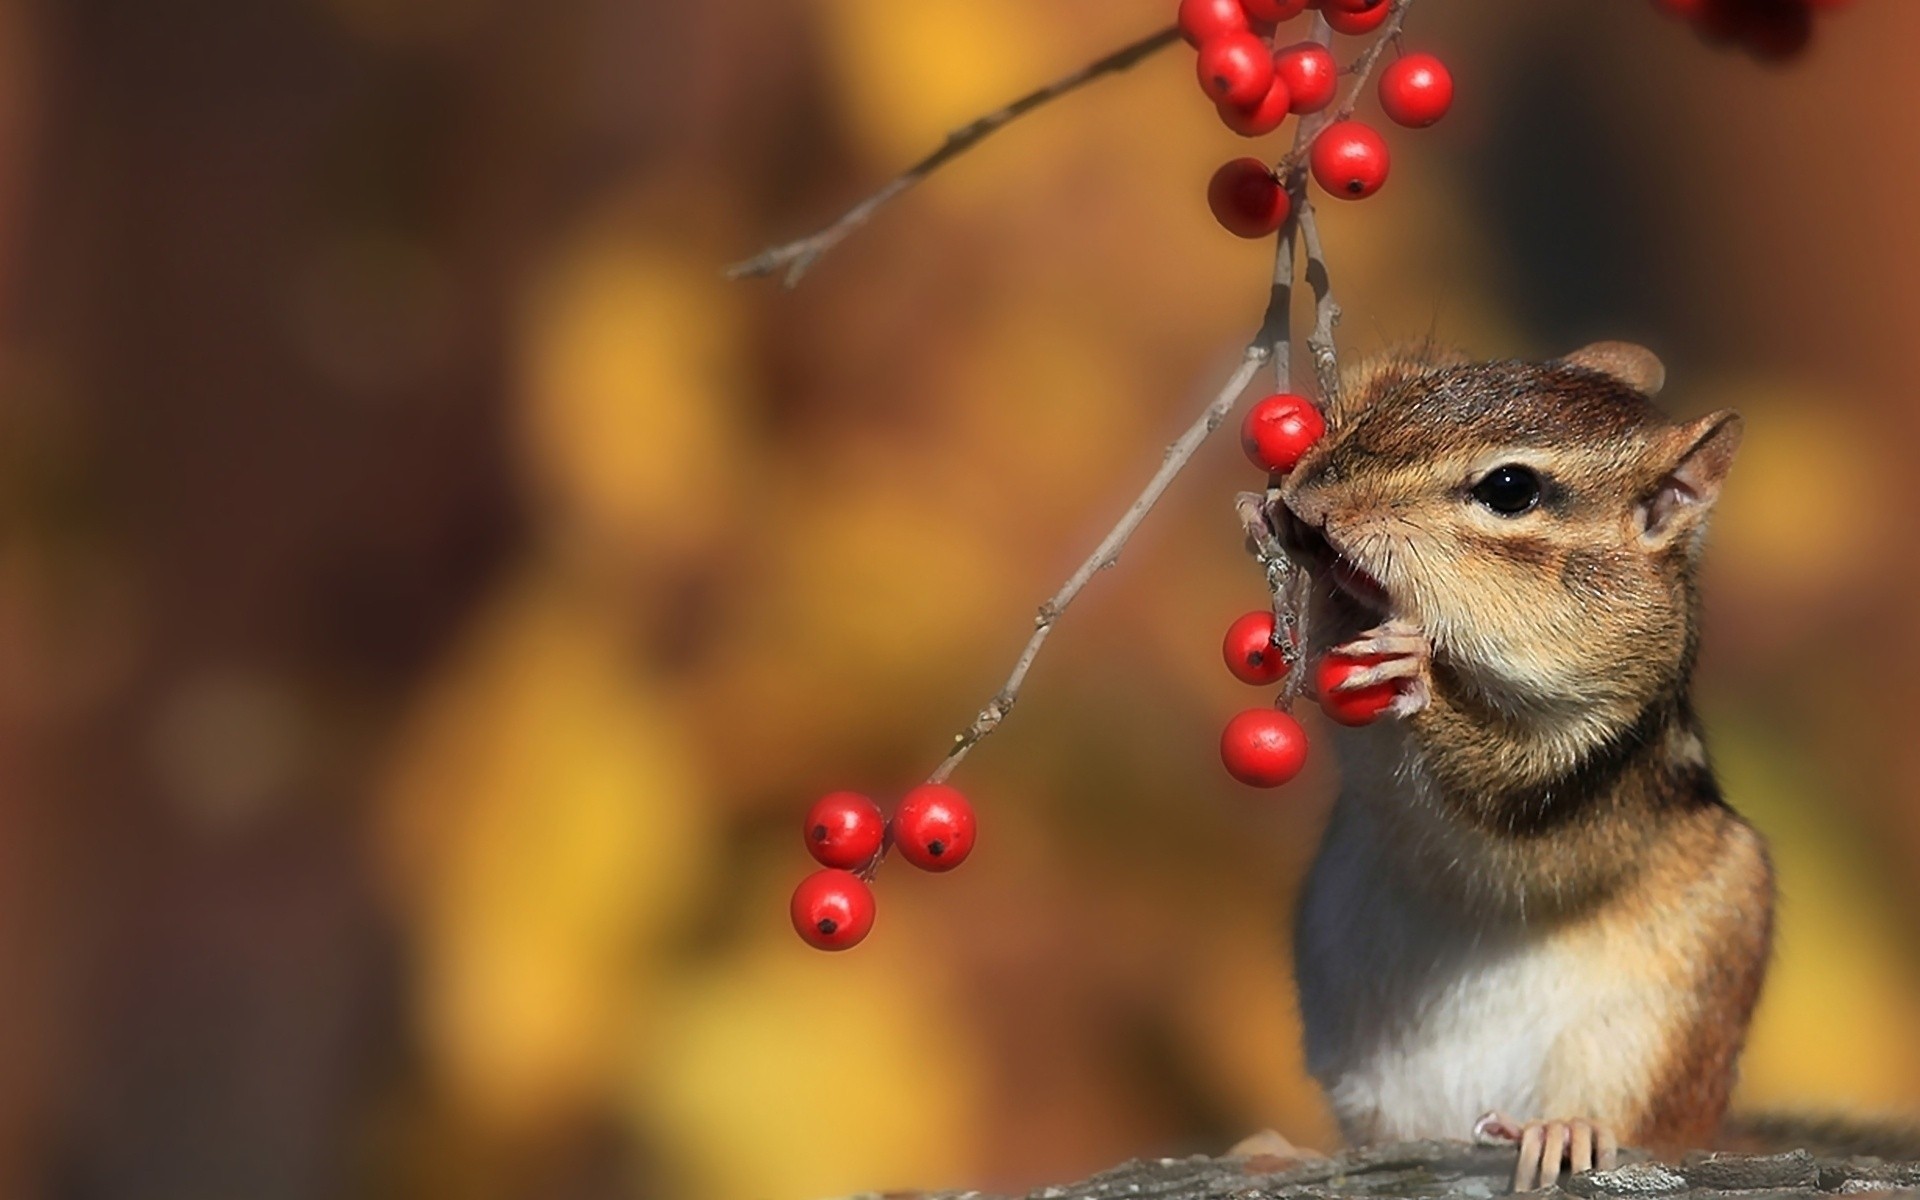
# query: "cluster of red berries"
{"type": "Point", "coordinates": [1266, 747]}
{"type": "Point", "coordinates": [833, 908]}
{"type": "Point", "coordinates": [1772, 29]}
{"type": "Point", "coordinates": [1256, 84]}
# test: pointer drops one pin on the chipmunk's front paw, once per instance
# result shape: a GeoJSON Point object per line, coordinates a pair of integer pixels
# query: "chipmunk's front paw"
{"type": "Point", "coordinates": [1547, 1146]}
{"type": "Point", "coordinates": [1401, 655]}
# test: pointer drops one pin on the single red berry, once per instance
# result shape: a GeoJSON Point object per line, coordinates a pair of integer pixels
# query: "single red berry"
{"type": "Point", "coordinates": [1349, 159]}
{"type": "Point", "coordinates": [1416, 91]}
{"type": "Point", "coordinates": [1235, 68]}
{"type": "Point", "coordinates": [1263, 747]}
{"type": "Point", "coordinates": [1366, 20]}
{"type": "Point", "coordinates": [1250, 652]}
{"type": "Point", "coordinates": [1359, 706]}
{"type": "Point", "coordinates": [933, 828]}
{"type": "Point", "coordinates": [1311, 74]}
{"type": "Point", "coordinates": [1203, 20]}
{"type": "Point", "coordinates": [1351, 6]}
{"type": "Point", "coordinates": [844, 829]}
{"type": "Point", "coordinates": [1264, 117]}
{"type": "Point", "coordinates": [1274, 11]}
{"type": "Point", "coordinates": [1278, 431]}
{"type": "Point", "coordinates": [832, 910]}
{"type": "Point", "coordinates": [1247, 199]}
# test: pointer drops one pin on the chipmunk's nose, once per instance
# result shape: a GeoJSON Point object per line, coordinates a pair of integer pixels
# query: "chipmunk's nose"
{"type": "Point", "coordinates": [1308, 491]}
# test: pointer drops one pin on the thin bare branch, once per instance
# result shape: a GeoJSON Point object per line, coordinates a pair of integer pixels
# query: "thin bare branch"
{"type": "Point", "coordinates": [1370, 58]}
{"type": "Point", "coordinates": [1276, 327]}
{"type": "Point", "coordinates": [797, 256]}
{"type": "Point", "coordinates": [1272, 344]}
{"type": "Point", "coordinates": [1104, 555]}
{"type": "Point", "coordinates": [1282, 575]}
{"type": "Point", "coordinates": [1326, 310]}
{"type": "Point", "coordinates": [1362, 73]}
{"type": "Point", "coordinates": [1276, 333]}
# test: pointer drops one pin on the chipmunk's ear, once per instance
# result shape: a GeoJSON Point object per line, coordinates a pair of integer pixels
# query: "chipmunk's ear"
{"type": "Point", "coordinates": [1636, 366]}
{"type": "Point", "coordinates": [1696, 457]}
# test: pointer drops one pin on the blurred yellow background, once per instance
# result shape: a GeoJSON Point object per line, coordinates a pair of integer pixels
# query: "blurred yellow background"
{"type": "Point", "coordinates": [430, 595]}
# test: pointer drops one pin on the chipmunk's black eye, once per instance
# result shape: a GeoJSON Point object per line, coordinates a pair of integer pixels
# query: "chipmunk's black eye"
{"type": "Point", "coordinates": [1509, 491]}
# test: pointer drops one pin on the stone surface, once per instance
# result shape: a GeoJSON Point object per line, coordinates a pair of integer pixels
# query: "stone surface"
{"type": "Point", "coordinates": [1440, 1170]}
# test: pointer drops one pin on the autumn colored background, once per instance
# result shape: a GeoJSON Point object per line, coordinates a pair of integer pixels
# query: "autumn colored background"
{"type": "Point", "coordinates": [430, 595]}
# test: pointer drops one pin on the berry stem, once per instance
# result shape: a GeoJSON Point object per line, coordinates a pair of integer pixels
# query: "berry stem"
{"type": "Point", "coordinates": [797, 256]}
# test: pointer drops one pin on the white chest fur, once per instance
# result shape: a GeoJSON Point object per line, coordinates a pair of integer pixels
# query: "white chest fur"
{"type": "Point", "coordinates": [1421, 1016]}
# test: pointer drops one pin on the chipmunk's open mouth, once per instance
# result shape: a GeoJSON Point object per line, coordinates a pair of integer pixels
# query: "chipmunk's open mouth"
{"type": "Point", "coordinates": [1324, 557]}
{"type": "Point", "coordinates": [1359, 585]}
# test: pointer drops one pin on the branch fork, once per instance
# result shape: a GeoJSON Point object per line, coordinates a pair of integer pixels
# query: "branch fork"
{"type": "Point", "coordinates": [1271, 346]}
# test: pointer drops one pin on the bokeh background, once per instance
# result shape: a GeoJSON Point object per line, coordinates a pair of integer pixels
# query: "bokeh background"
{"type": "Point", "coordinates": [430, 595]}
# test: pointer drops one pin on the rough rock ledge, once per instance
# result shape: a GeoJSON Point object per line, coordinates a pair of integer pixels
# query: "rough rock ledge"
{"type": "Point", "coordinates": [1457, 1169]}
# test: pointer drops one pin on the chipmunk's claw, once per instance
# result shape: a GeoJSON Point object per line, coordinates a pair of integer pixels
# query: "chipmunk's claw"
{"type": "Point", "coordinates": [1405, 659]}
{"type": "Point", "coordinates": [1414, 697]}
{"type": "Point", "coordinates": [1545, 1146]}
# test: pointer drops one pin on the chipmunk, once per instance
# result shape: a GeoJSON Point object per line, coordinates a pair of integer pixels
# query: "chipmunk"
{"type": "Point", "coordinates": [1533, 915]}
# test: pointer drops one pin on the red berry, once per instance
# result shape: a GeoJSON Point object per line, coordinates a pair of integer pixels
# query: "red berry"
{"type": "Point", "coordinates": [1203, 20]}
{"type": "Point", "coordinates": [1263, 747]}
{"type": "Point", "coordinates": [1278, 431]}
{"type": "Point", "coordinates": [1311, 74]}
{"type": "Point", "coordinates": [1235, 68]}
{"type": "Point", "coordinates": [1416, 91]}
{"type": "Point", "coordinates": [1351, 6]}
{"type": "Point", "coordinates": [933, 827]}
{"type": "Point", "coordinates": [1359, 706]}
{"type": "Point", "coordinates": [1356, 22]}
{"type": "Point", "coordinates": [1250, 652]}
{"type": "Point", "coordinates": [832, 910]}
{"type": "Point", "coordinates": [1247, 199]}
{"type": "Point", "coordinates": [1274, 10]}
{"type": "Point", "coordinates": [1264, 117]}
{"type": "Point", "coordinates": [844, 829]}
{"type": "Point", "coordinates": [1349, 159]}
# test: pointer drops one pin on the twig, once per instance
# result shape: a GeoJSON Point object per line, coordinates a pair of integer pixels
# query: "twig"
{"type": "Point", "coordinates": [799, 255]}
{"type": "Point", "coordinates": [1273, 343]}
{"type": "Point", "coordinates": [1282, 575]}
{"type": "Point", "coordinates": [1256, 509]}
{"type": "Point", "coordinates": [1276, 326]}
{"type": "Point", "coordinates": [1370, 58]}
{"type": "Point", "coordinates": [1326, 310]}
{"type": "Point", "coordinates": [1104, 555]}
{"type": "Point", "coordinates": [1276, 333]}
{"type": "Point", "coordinates": [1362, 72]}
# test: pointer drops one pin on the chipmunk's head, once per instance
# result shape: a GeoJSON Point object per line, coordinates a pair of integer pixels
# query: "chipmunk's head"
{"type": "Point", "coordinates": [1541, 521]}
